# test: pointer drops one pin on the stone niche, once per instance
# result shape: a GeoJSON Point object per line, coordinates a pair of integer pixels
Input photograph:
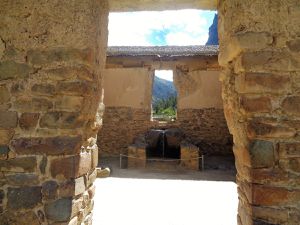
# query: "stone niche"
{"type": "Point", "coordinates": [160, 148]}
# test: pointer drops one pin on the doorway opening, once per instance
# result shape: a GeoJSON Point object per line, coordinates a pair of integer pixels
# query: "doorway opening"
{"type": "Point", "coordinates": [176, 41]}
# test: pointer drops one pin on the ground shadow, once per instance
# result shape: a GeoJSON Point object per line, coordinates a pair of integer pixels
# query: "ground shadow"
{"type": "Point", "coordinates": [149, 173]}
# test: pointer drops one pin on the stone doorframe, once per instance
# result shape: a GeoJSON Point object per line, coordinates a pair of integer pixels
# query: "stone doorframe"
{"type": "Point", "coordinates": [51, 55]}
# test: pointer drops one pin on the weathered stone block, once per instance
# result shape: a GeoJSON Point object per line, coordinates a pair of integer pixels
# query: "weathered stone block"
{"type": "Point", "coordinates": [24, 197]}
{"type": "Point", "coordinates": [19, 218]}
{"type": "Point", "coordinates": [289, 150]}
{"type": "Point", "coordinates": [294, 45]}
{"type": "Point", "coordinates": [71, 167]}
{"type": "Point", "coordinates": [61, 73]}
{"type": "Point", "coordinates": [241, 42]}
{"type": "Point", "coordinates": [277, 216]}
{"type": "Point", "coordinates": [44, 57]}
{"type": "Point", "coordinates": [50, 190]}
{"type": "Point", "coordinates": [92, 191]}
{"type": "Point", "coordinates": [274, 196]}
{"type": "Point", "coordinates": [17, 88]}
{"type": "Point", "coordinates": [72, 188]}
{"type": "Point", "coordinates": [6, 136]}
{"type": "Point", "coordinates": [94, 152]}
{"type": "Point", "coordinates": [59, 210]}
{"type": "Point", "coordinates": [291, 165]}
{"type": "Point", "coordinates": [83, 73]}
{"type": "Point", "coordinates": [256, 105]}
{"type": "Point", "coordinates": [69, 103]}
{"type": "Point", "coordinates": [262, 83]}
{"type": "Point", "coordinates": [262, 153]}
{"type": "Point", "coordinates": [8, 119]}
{"type": "Point", "coordinates": [49, 145]}
{"type": "Point", "coordinates": [136, 157]}
{"type": "Point", "coordinates": [90, 178]}
{"type": "Point", "coordinates": [11, 69]}
{"type": "Point", "coordinates": [2, 48]}
{"type": "Point", "coordinates": [261, 222]}
{"type": "Point", "coordinates": [33, 105]}
{"type": "Point", "coordinates": [4, 94]}
{"type": "Point", "coordinates": [4, 150]}
{"type": "Point", "coordinates": [266, 60]}
{"type": "Point", "coordinates": [270, 176]}
{"type": "Point", "coordinates": [294, 216]}
{"type": "Point", "coordinates": [261, 129]}
{"type": "Point", "coordinates": [73, 221]}
{"type": "Point", "coordinates": [189, 156]}
{"type": "Point", "coordinates": [43, 164]}
{"type": "Point", "coordinates": [24, 164]}
{"type": "Point", "coordinates": [29, 120]}
{"type": "Point", "coordinates": [76, 88]}
{"type": "Point", "coordinates": [43, 89]}
{"type": "Point", "coordinates": [242, 156]}
{"type": "Point", "coordinates": [291, 105]}
{"type": "Point", "coordinates": [253, 40]}
{"type": "Point", "coordinates": [21, 179]}
{"type": "Point", "coordinates": [66, 120]}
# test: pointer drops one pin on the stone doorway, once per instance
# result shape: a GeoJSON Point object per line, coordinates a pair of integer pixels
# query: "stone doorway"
{"type": "Point", "coordinates": [51, 60]}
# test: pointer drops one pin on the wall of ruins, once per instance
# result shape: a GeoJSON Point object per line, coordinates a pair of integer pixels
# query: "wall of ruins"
{"type": "Point", "coordinates": [260, 53]}
{"type": "Point", "coordinates": [51, 54]}
{"type": "Point", "coordinates": [200, 109]}
{"type": "Point", "coordinates": [127, 108]}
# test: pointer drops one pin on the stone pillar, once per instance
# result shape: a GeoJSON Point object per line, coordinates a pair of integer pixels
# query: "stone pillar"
{"type": "Point", "coordinates": [260, 56]}
{"type": "Point", "coordinates": [51, 55]}
{"type": "Point", "coordinates": [136, 157]}
{"type": "Point", "coordinates": [189, 155]}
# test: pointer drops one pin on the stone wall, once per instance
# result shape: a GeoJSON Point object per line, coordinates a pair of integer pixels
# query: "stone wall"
{"type": "Point", "coordinates": [51, 54]}
{"type": "Point", "coordinates": [200, 112]}
{"type": "Point", "coordinates": [207, 129]}
{"type": "Point", "coordinates": [260, 53]}
{"type": "Point", "coordinates": [121, 125]}
{"type": "Point", "coordinates": [200, 109]}
{"type": "Point", "coordinates": [127, 99]}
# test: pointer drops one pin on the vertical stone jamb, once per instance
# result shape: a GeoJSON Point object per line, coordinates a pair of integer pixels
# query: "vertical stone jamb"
{"type": "Point", "coordinates": [51, 57]}
{"type": "Point", "coordinates": [259, 53]}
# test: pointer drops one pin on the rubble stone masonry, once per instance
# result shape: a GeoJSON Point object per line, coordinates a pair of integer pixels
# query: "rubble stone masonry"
{"type": "Point", "coordinates": [51, 57]}
{"type": "Point", "coordinates": [259, 51]}
{"type": "Point", "coordinates": [51, 54]}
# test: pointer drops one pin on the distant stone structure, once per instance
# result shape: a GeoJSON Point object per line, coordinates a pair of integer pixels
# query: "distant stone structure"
{"type": "Point", "coordinates": [127, 115]}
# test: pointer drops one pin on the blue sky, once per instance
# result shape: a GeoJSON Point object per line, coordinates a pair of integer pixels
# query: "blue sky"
{"type": "Point", "coordinates": [182, 27]}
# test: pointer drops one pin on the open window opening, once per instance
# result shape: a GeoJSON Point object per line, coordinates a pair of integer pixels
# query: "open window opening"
{"type": "Point", "coordinates": [164, 96]}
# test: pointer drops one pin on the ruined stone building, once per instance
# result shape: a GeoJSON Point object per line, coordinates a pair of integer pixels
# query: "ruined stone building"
{"type": "Point", "coordinates": [200, 114]}
{"type": "Point", "coordinates": [52, 67]}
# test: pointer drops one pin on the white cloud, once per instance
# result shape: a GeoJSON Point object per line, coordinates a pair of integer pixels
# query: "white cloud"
{"type": "Point", "coordinates": [132, 29]}
{"type": "Point", "coordinates": [164, 74]}
{"type": "Point", "coordinates": [181, 38]}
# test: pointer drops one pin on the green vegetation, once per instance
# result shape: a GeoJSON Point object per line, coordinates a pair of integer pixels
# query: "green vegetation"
{"type": "Point", "coordinates": [165, 107]}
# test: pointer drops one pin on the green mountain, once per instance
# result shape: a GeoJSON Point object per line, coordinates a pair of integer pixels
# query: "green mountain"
{"type": "Point", "coordinates": [162, 89]}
